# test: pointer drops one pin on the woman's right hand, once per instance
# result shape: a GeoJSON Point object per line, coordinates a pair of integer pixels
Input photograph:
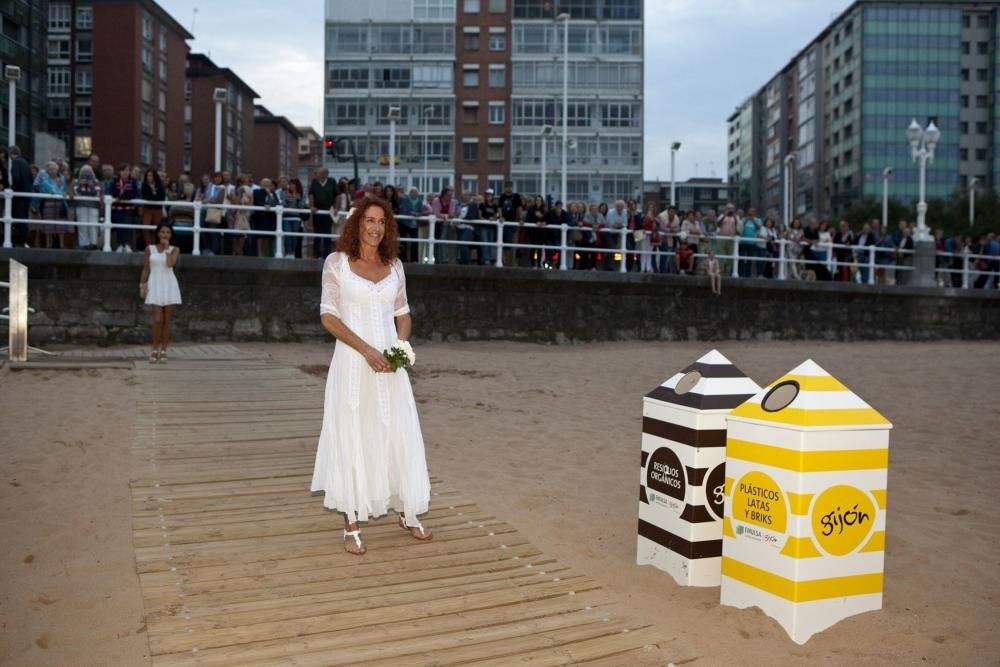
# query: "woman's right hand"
{"type": "Point", "coordinates": [376, 361]}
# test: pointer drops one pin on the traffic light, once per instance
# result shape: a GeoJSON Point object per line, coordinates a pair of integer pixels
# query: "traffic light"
{"type": "Point", "coordinates": [331, 151]}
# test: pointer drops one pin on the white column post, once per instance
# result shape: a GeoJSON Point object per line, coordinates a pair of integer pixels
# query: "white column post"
{"type": "Point", "coordinates": [565, 112]}
{"type": "Point", "coordinates": [782, 273]}
{"type": "Point", "coordinates": [425, 186]}
{"type": "Point", "coordinates": [107, 223]}
{"type": "Point", "coordinates": [886, 173]}
{"type": "Point", "coordinates": [196, 229]}
{"type": "Point", "coordinates": [499, 243]}
{"type": "Point", "coordinates": [11, 112]}
{"type": "Point", "coordinates": [972, 201]}
{"type": "Point", "coordinates": [218, 135]}
{"type": "Point", "coordinates": [545, 193]}
{"type": "Point", "coordinates": [279, 232]}
{"type": "Point", "coordinates": [674, 147]}
{"type": "Point", "coordinates": [623, 249]}
{"type": "Point", "coordinates": [8, 215]}
{"type": "Point", "coordinates": [562, 246]}
{"type": "Point", "coordinates": [736, 256]}
{"type": "Point", "coordinates": [431, 223]}
{"type": "Point", "coordinates": [392, 152]}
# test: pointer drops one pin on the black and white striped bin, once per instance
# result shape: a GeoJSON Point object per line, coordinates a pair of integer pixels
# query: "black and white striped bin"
{"type": "Point", "coordinates": [682, 483]}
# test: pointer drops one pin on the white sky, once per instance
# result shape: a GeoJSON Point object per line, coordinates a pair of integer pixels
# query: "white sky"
{"type": "Point", "coordinates": [703, 57]}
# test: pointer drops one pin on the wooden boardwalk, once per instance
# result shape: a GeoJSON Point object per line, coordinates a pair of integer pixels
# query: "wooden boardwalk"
{"type": "Point", "coordinates": [240, 565]}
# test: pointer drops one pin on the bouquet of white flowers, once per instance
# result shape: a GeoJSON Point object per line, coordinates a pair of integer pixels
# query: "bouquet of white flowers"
{"type": "Point", "coordinates": [400, 355]}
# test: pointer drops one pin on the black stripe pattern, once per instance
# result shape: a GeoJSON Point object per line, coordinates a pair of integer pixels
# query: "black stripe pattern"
{"type": "Point", "coordinates": [677, 544]}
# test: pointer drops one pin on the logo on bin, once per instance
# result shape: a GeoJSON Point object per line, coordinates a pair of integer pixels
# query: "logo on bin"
{"type": "Point", "coordinates": [715, 490]}
{"type": "Point", "coordinates": [842, 519]}
{"type": "Point", "coordinates": [759, 511]}
{"type": "Point", "coordinates": [665, 478]}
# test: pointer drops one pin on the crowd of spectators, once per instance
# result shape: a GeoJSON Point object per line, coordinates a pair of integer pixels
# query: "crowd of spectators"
{"type": "Point", "coordinates": [667, 241]}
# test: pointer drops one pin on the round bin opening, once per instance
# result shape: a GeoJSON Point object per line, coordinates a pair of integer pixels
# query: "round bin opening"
{"type": "Point", "coordinates": [780, 396]}
{"type": "Point", "coordinates": [687, 383]}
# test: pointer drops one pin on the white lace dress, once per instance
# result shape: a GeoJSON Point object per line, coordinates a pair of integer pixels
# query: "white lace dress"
{"type": "Point", "coordinates": [162, 288]}
{"type": "Point", "coordinates": [370, 457]}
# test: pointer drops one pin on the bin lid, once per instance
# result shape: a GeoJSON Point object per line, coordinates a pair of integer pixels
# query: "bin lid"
{"type": "Point", "coordinates": [809, 398]}
{"type": "Point", "coordinates": [710, 383]}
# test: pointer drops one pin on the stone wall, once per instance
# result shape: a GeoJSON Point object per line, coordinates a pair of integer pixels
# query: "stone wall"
{"type": "Point", "coordinates": [87, 297]}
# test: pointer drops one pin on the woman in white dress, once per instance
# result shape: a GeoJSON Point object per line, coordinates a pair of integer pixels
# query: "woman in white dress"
{"type": "Point", "coordinates": [370, 457]}
{"type": "Point", "coordinates": [159, 285]}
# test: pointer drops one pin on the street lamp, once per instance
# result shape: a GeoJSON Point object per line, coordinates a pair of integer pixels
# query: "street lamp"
{"type": "Point", "coordinates": [546, 133]}
{"type": "Point", "coordinates": [13, 74]}
{"type": "Point", "coordinates": [789, 161]}
{"type": "Point", "coordinates": [219, 95]}
{"type": "Point", "coordinates": [886, 173]}
{"type": "Point", "coordinates": [922, 144]}
{"type": "Point", "coordinates": [427, 112]}
{"type": "Point", "coordinates": [564, 17]}
{"type": "Point", "coordinates": [674, 147]}
{"type": "Point", "coordinates": [973, 182]}
{"type": "Point", "coordinates": [393, 116]}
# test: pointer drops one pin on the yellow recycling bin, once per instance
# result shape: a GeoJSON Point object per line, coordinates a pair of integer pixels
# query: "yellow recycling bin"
{"type": "Point", "coordinates": [682, 476]}
{"type": "Point", "coordinates": [804, 532]}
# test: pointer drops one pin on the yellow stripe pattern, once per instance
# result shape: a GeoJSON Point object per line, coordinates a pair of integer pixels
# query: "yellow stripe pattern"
{"type": "Point", "coordinates": [727, 527]}
{"type": "Point", "coordinates": [876, 543]}
{"type": "Point", "coordinates": [800, 547]}
{"type": "Point", "coordinates": [799, 503]}
{"type": "Point", "coordinates": [797, 461]}
{"type": "Point", "coordinates": [879, 496]}
{"type": "Point", "coordinates": [812, 382]}
{"type": "Point", "coordinates": [802, 591]}
{"type": "Point", "coordinates": [800, 417]}
{"type": "Point", "coordinates": [729, 486]}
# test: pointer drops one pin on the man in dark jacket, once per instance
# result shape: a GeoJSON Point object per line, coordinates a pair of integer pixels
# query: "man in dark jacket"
{"type": "Point", "coordinates": [20, 181]}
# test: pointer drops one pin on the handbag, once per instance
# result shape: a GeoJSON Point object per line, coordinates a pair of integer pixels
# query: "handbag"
{"type": "Point", "coordinates": [638, 235]}
{"type": "Point", "coordinates": [213, 216]}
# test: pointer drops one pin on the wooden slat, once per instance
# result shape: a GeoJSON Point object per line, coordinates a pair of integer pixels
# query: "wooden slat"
{"type": "Point", "coordinates": [240, 565]}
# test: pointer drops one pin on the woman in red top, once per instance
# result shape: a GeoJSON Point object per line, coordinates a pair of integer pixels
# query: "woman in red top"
{"type": "Point", "coordinates": [650, 240]}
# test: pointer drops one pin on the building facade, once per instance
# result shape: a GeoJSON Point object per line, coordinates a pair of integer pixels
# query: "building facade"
{"type": "Point", "coordinates": [842, 105]}
{"type": "Point", "coordinates": [275, 144]}
{"type": "Point", "coordinates": [312, 153]}
{"type": "Point", "coordinates": [394, 55]}
{"type": "Point", "coordinates": [204, 77]}
{"type": "Point", "coordinates": [115, 81]}
{"type": "Point", "coordinates": [694, 194]}
{"type": "Point", "coordinates": [605, 97]}
{"type": "Point", "coordinates": [476, 81]}
{"type": "Point", "coordinates": [22, 44]}
{"type": "Point", "coordinates": [744, 168]}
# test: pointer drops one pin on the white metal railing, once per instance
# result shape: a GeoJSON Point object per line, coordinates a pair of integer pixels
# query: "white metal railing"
{"type": "Point", "coordinates": [748, 257]}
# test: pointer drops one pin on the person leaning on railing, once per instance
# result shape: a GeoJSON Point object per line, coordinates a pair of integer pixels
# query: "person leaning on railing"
{"type": "Point", "coordinates": [411, 207]}
{"type": "Point", "coordinates": [86, 185]}
{"type": "Point", "coordinates": [152, 189]}
{"type": "Point", "coordinates": [181, 218]}
{"type": "Point", "coordinates": [489, 209]}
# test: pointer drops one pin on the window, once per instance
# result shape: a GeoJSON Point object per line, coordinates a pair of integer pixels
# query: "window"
{"type": "Point", "coordinates": [147, 92]}
{"type": "Point", "coordinates": [432, 76]}
{"type": "Point", "coordinates": [495, 183]}
{"type": "Point", "coordinates": [963, 127]}
{"type": "Point", "coordinates": [147, 61]}
{"type": "Point", "coordinates": [84, 18]}
{"type": "Point", "coordinates": [498, 6]}
{"type": "Point", "coordinates": [434, 9]}
{"type": "Point", "coordinates": [470, 149]}
{"type": "Point", "coordinates": [82, 115]}
{"type": "Point", "coordinates": [470, 184]}
{"type": "Point", "coordinates": [163, 101]}
{"type": "Point", "coordinates": [623, 114]}
{"type": "Point", "coordinates": [982, 101]}
{"type": "Point", "coordinates": [982, 48]}
{"type": "Point", "coordinates": [147, 27]}
{"type": "Point", "coordinates": [983, 20]}
{"type": "Point", "coordinates": [60, 17]}
{"type": "Point", "coordinates": [498, 39]}
{"type": "Point", "coordinates": [163, 39]}
{"type": "Point", "coordinates": [58, 81]}
{"type": "Point", "coordinates": [163, 71]}
{"type": "Point", "coordinates": [495, 151]}
{"type": "Point", "coordinates": [470, 76]}
{"type": "Point", "coordinates": [965, 74]}
{"type": "Point", "coordinates": [963, 154]}
{"type": "Point", "coordinates": [59, 108]}
{"type": "Point", "coordinates": [187, 90]}
{"type": "Point", "coordinates": [382, 113]}
{"type": "Point", "coordinates": [146, 152]}
{"type": "Point", "coordinates": [84, 84]}
{"type": "Point", "coordinates": [981, 154]}
{"type": "Point", "coordinates": [83, 145]}
{"type": "Point", "coordinates": [349, 77]}
{"type": "Point", "coordinates": [392, 77]}
{"type": "Point", "coordinates": [470, 6]}
{"type": "Point", "coordinates": [146, 120]}
{"type": "Point", "coordinates": [58, 49]}
{"type": "Point", "coordinates": [470, 113]}
{"type": "Point", "coordinates": [497, 113]}
{"type": "Point", "coordinates": [966, 21]}
{"type": "Point", "coordinates": [470, 39]}
{"type": "Point", "coordinates": [497, 76]}
{"type": "Point", "coordinates": [964, 101]}
{"type": "Point", "coordinates": [84, 50]}
{"type": "Point", "coordinates": [980, 127]}
{"type": "Point", "coordinates": [965, 48]}
{"type": "Point", "coordinates": [349, 113]}
{"type": "Point", "coordinates": [982, 74]}
{"type": "Point", "coordinates": [161, 128]}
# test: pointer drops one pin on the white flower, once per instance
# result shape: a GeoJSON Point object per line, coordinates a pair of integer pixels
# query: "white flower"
{"type": "Point", "coordinates": [406, 349]}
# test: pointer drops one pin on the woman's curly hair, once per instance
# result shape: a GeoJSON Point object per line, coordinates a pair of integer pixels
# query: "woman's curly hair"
{"type": "Point", "coordinates": [350, 237]}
